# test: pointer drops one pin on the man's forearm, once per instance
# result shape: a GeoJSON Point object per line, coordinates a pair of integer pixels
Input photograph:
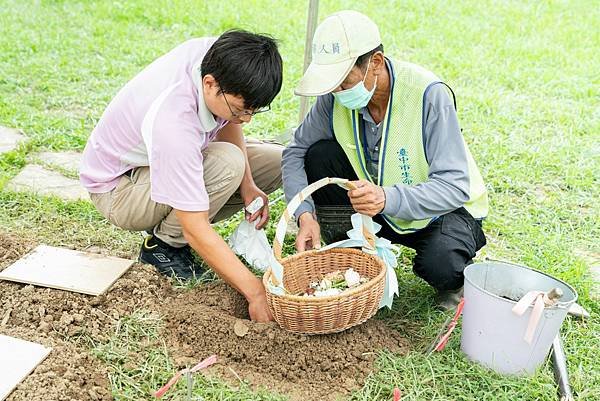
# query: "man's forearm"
{"type": "Point", "coordinates": [213, 249]}
{"type": "Point", "coordinates": [433, 198]}
{"type": "Point", "coordinates": [215, 252]}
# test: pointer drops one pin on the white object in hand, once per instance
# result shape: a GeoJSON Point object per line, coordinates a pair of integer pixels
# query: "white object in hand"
{"type": "Point", "coordinates": [251, 243]}
{"type": "Point", "coordinates": [255, 205]}
{"type": "Point", "coordinates": [352, 278]}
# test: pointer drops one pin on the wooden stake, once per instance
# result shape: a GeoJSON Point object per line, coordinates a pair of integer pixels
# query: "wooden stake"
{"type": "Point", "coordinates": [190, 384]}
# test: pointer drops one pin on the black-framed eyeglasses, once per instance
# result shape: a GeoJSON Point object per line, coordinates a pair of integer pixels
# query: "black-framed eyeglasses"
{"type": "Point", "coordinates": [245, 112]}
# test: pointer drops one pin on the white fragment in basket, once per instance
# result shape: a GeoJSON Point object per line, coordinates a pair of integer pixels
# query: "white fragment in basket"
{"type": "Point", "coordinates": [352, 278]}
{"type": "Point", "coordinates": [334, 283]}
{"type": "Point", "coordinates": [328, 292]}
{"type": "Point", "coordinates": [325, 284]}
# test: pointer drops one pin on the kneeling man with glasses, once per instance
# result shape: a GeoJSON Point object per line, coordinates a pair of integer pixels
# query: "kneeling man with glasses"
{"type": "Point", "coordinates": [168, 155]}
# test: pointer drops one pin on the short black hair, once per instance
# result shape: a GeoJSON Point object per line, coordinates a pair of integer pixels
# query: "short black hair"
{"type": "Point", "coordinates": [362, 60]}
{"type": "Point", "coordinates": [246, 64]}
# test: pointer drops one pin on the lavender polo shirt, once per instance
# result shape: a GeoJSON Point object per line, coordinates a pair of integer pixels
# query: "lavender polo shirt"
{"type": "Point", "coordinates": [158, 119]}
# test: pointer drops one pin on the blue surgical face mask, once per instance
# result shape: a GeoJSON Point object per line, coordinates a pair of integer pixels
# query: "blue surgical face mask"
{"type": "Point", "coordinates": [358, 96]}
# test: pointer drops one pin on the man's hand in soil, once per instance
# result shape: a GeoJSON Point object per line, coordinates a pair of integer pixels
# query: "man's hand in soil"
{"type": "Point", "coordinates": [309, 235]}
{"type": "Point", "coordinates": [367, 198]}
{"type": "Point", "coordinates": [215, 252]}
{"type": "Point", "coordinates": [249, 192]}
{"type": "Point", "coordinates": [259, 309]}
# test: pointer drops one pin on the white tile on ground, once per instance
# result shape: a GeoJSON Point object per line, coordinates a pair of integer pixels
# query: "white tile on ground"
{"type": "Point", "coordinates": [66, 160]}
{"type": "Point", "coordinates": [9, 138]}
{"type": "Point", "coordinates": [66, 269]}
{"type": "Point", "coordinates": [34, 178]}
{"type": "Point", "coordinates": [18, 358]}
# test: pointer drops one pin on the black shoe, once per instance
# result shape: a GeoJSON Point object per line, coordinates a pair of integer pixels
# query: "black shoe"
{"type": "Point", "coordinates": [334, 222]}
{"type": "Point", "coordinates": [448, 299]}
{"type": "Point", "coordinates": [169, 260]}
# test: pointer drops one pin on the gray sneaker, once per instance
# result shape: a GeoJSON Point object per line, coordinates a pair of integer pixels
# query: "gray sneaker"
{"type": "Point", "coordinates": [168, 260]}
{"type": "Point", "coordinates": [448, 299]}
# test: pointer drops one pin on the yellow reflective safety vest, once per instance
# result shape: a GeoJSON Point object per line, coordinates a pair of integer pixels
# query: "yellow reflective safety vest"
{"type": "Point", "coordinates": [402, 157]}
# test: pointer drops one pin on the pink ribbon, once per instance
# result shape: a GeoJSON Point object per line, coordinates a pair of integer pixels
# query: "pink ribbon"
{"type": "Point", "coordinates": [537, 298]}
{"type": "Point", "coordinates": [444, 340]}
{"type": "Point", "coordinates": [202, 365]}
{"type": "Point", "coordinates": [397, 394]}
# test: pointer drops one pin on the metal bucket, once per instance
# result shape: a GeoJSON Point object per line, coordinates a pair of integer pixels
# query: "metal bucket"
{"type": "Point", "coordinates": [491, 333]}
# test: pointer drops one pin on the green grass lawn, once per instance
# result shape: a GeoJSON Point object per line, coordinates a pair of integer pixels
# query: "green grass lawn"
{"type": "Point", "coordinates": [527, 78]}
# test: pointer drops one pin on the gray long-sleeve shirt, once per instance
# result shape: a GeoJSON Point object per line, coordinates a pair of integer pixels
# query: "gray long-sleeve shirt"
{"type": "Point", "coordinates": [447, 187]}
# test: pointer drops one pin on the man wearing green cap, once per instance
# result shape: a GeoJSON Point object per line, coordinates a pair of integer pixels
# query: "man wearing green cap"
{"type": "Point", "coordinates": [391, 127]}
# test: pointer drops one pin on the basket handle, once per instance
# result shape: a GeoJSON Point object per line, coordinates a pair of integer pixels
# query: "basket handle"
{"type": "Point", "coordinates": [299, 198]}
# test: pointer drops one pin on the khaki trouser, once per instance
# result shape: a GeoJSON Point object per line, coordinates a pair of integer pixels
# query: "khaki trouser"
{"type": "Point", "coordinates": [129, 205]}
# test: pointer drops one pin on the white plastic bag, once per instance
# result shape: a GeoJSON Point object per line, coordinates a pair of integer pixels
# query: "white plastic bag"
{"type": "Point", "coordinates": [252, 244]}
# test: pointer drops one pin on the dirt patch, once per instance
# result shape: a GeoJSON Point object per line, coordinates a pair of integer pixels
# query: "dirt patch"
{"type": "Point", "coordinates": [305, 367]}
{"type": "Point", "coordinates": [64, 314]}
{"type": "Point", "coordinates": [59, 319]}
{"type": "Point", "coordinates": [211, 319]}
{"type": "Point", "coordinates": [40, 315]}
{"type": "Point", "coordinates": [12, 248]}
{"type": "Point", "coordinates": [68, 373]}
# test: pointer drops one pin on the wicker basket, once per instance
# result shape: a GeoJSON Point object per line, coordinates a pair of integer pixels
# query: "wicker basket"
{"type": "Point", "coordinates": [329, 314]}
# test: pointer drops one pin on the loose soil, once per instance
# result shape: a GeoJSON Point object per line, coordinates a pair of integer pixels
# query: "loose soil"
{"type": "Point", "coordinates": [69, 372]}
{"type": "Point", "coordinates": [198, 323]}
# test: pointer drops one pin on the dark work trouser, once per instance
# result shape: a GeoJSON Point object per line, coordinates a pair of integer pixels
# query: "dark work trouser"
{"type": "Point", "coordinates": [444, 248]}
